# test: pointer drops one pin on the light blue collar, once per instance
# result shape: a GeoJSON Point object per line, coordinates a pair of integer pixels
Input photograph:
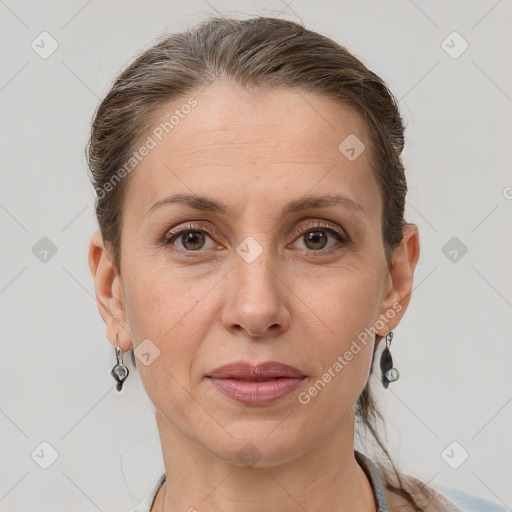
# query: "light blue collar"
{"type": "Point", "coordinates": [371, 472]}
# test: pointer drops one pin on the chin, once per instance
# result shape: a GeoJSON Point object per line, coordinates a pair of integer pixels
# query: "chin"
{"type": "Point", "coordinates": [258, 448]}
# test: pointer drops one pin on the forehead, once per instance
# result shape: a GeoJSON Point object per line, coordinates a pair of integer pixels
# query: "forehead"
{"type": "Point", "coordinates": [228, 115]}
{"type": "Point", "coordinates": [246, 144]}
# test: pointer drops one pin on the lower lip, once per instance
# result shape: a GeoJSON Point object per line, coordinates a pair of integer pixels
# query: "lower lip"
{"type": "Point", "coordinates": [257, 393]}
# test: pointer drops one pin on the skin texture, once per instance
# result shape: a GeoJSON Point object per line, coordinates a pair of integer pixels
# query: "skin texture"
{"type": "Point", "coordinates": [301, 302]}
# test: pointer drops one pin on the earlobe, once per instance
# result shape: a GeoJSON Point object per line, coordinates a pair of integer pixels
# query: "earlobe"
{"type": "Point", "coordinates": [108, 293]}
{"type": "Point", "coordinates": [405, 258]}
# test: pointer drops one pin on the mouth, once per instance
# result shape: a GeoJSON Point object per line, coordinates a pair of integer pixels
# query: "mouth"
{"type": "Point", "coordinates": [258, 379]}
{"type": "Point", "coordinates": [242, 370]}
{"type": "Point", "coordinates": [262, 384]}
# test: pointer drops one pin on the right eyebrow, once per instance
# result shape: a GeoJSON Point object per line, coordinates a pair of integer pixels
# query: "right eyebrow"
{"type": "Point", "coordinates": [195, 202]}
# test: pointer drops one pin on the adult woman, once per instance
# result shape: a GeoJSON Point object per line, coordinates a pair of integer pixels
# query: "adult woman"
{"type": "Point", "coordinates": [253, 253]}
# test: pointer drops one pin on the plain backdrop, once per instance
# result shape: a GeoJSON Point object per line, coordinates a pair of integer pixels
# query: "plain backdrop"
{"type": "Point", "coordinates": [453, 403]}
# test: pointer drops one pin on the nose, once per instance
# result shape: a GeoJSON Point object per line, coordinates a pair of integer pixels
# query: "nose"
{"type": "Point", "coordinates": [257, 299]}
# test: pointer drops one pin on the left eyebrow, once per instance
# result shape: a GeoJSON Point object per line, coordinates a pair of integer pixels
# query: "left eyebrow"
{"type": "Point", "coordinates": [304, 203]}
{"type": "Point", "coordinates": [314, 202]}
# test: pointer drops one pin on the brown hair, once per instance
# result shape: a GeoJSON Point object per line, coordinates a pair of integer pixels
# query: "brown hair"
{"type": "Point", "coordinates": [260, 54]}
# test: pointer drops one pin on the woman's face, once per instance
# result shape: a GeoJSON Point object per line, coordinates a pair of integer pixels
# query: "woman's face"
{"type": "Point", "coordinates": [265, 276]}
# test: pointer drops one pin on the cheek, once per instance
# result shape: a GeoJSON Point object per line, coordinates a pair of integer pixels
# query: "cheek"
{"type": "Point", "coordinates": [159, 299]}
{"type": "Point", "coordinates": [341, 302]}
{"type": "Point", "coordinates": [176, 315]}
{"type": "Point", "coordinates": [161, 308]}
{"type": "Point", "coordinates": [339, 309]}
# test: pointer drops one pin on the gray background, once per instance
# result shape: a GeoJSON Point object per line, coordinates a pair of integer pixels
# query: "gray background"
{"type": "Point", "coordinates": [453, 347]}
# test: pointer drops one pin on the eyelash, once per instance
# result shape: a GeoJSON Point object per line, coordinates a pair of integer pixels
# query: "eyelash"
{"type": "Point", "coordinates": [200, 227]}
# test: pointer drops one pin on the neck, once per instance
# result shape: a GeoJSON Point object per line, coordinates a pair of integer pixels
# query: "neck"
{"type": "Point", "coordinates": [326, 478]}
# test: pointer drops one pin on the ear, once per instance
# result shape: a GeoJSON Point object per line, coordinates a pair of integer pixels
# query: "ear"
{"type": "Point", "coordinates": [398, 295]}
{"type": "Point", "coordinates": [109, 293]}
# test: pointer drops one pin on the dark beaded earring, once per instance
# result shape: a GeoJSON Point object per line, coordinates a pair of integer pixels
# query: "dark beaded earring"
{"type": "Point", "coordinates": [119, 371]}
{"type": "Point", "coordinates": [389, 374]}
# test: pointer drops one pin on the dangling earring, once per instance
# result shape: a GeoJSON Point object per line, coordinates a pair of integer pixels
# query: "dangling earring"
{"type": "Point", "coordinates": [119, 371]}
{"type": "Point", "coordinates": [389, 374]}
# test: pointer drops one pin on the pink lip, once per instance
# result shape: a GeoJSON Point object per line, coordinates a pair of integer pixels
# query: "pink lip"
{"type": "Point", "coordinates": [256, 385]}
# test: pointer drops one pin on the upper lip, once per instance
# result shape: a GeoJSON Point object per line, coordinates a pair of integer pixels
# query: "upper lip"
{"type": "Point", "coordinates": [266, 370]}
